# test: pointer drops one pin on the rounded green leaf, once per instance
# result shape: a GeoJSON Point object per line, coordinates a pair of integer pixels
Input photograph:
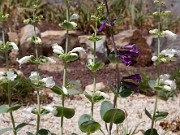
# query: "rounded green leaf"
{"type": "Point", "coordinates": [87, 125]}
{"type": "Point", "coordinates": [20, 126]}
{"type": "Point", "coordinates": [115, 116]}
{"type": "Point", "coordinates": [67, 26]}
{"type": "Point", "coordinates": [4, 130]}
{"type": "Point", "coordinates": [66, 112]}
{"type": "Point", "coordinates": [4, 108]}
{"type": "Point", "coordinates": [125, 90]}
{"type": "Point", "coordinates": [148, 132]}
{"type": "Point", "coordinates": [105, 106]}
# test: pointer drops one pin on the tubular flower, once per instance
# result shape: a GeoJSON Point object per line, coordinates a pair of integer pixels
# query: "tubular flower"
{"type": "Point", "coordinates": [51, 109]}
{"type": "Point", "coordinates": [104, 24]}
{"type": "Point", "coordinates": [25, 59]}
{"type": "Point", "coordinates": [166, 83]}
{"type": "Point", "coordinates": [169, 34]}
{"type": "Point", "coordinates": [14, 46]}
{"type": "Point", "coordinates": [128, 54]}
{"type": "Point", "coordinates": [57, 49]}
{"type": "Point", "coordinates": [34, 77]}
{"type": "Point", "coordinates": [49, 59]}
{"type": "Point", "coordinates": [49, 82]}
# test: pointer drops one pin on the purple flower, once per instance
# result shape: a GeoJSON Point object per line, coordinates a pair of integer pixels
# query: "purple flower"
{"type": "Point", "coordinates": [128, 54]}
{"type": "Point", "coordinates": [102, 27]}
{"type": "Point", "coordinates": [135, 77]}
{"type": "Point", "coordinates": [132, 85]}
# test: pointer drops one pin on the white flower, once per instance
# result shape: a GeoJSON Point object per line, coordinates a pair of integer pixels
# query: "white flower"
{"type": "Point", "coordinates": [57, 49]}
{"type": "Point", "coordinates": [14, 46]}
{"type": "Point", "coordinates": [74, 17]}
{"type": "Point", "coordinates": [78, 49]}
{"type": "Point", "coordinates": [52, 61]}
{"type": "Point", "coordinates": [169, 52]}
{"type": "Point", "coordinates": [163, 78]}
{"type": "Point", "coordinates": [154, 58]}
{"type": "Point", "coordinates": [73, 54]}
{"type": "Point", "coordinates": [25, 59]}
{"type": "Point", "coordinates": [166, 87]}
{"type": "Point", "coordinates": [34, 77]}
{"type": "Point", "coordinates": [166, 83]}
{"type": "Point", "coordinates": [169, 34]}
{"type": "Point", "coordinates": [49, 82]}
{"type": "Point", "coordinates": [73, 24]}
{"type": "Point", "coordinates": [11, 75]}
{"type": "Point", "coordinates": [154, 31]}
{"type": "Point", "coordinates": [65, 91]}
{"type": "Point", "coordinates": [51, 109]}
{"type": "Point", "coordinates": [99, 93]}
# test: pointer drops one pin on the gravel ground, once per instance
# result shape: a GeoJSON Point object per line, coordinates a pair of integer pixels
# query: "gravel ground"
{"type": "Point", "coordinates": [134, 106]}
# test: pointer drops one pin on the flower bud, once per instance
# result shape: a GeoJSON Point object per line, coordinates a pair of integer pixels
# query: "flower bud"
{"type": "Point", "coordinates": [154, 58]}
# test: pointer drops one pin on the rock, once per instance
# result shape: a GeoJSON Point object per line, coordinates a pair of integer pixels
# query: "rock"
{"type": "Point", "coordinates": [13, 37]}
{"type": "Point", "coordinates": [101, 48]}
{"type": "Point", "coordinates": [27, 48]}
{"type": "Point", "coordinates": [99, 87]}
{"type": "Point", "coordinates": [59, 37]}
{"type": "Point", "coordinates": [166, 42]}
{"type": "Point", "coordinates": [123, 38]}
{"type": "Point", "coordinates": [145, 50]}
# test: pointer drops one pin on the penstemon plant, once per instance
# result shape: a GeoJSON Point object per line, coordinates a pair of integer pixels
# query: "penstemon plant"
{"type": "Point", "coordinates": [87, 122]}
{"type": "Point", "coordinates": [163, 86]}
{"type": "Point", "coordinates": [37, 81]}
{"type": "Point", "coordinates": [125, 86]}
{"type": "Point", "coordinates": [68, 87]}
{"type": "Point", "coordinates": [8, 77]}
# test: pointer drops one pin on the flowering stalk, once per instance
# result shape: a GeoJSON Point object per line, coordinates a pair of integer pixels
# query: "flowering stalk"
{"type": "Point", "coordinates": [158, 71]}
{"type": "Point", "coordinates": [7, 70]}
{"type": "Point", "coordinates": [117, 68]}
{"type": "Point", "coordinates": [65, 67]}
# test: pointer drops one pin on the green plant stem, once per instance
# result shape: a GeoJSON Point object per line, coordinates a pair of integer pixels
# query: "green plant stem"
{"type": "Point", "coordinates": [38, 94]}
{"type": "Point", "coordinates": [154, 114]}
{"type": "Point", "coordinates": [158, 71]}
{"type": "Point", "coordinates": [9, 92]}
{"type": "Point", "coordinates": [65, 69]}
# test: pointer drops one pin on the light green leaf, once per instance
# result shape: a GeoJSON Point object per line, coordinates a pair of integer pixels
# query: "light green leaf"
{"type": "Point", "coordinates": [105, 106]}
{"type": "Point", "coordinates": [4, 130]}
{"type": "Point", "coordinates": [67, 26]}
{"type": "Point", "coordinates": [87, 125]}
